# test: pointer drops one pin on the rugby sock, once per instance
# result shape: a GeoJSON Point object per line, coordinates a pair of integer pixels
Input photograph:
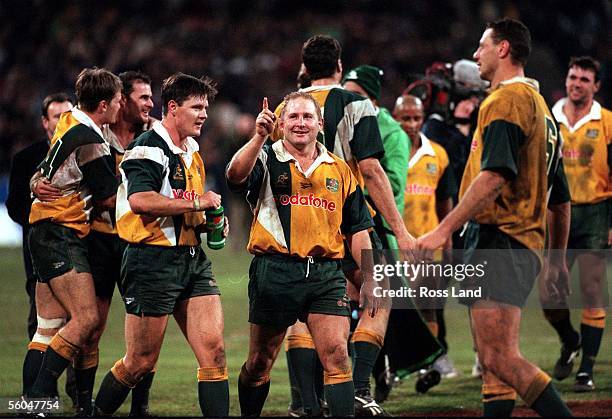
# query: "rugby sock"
{"type": "Point", "coordinates": [296, 398]}
{"type": "Point", "coordinates": [498, 400]}
{"type": "Point", "coordinates": [85, 367]}
{"type": "Point", "coordinates": [339, 393]}
{"type": "Point", "coordinates": [114, 389]}
{"type": "Point", "coordinates": [31, 364]}
{"type": "Point", "coordinates": [542, 397]}
{"type": "Point", "coordinates": [319, 382]}
{"type": "Point", "coordinates": [591, 329]}
{"type": "Point", "coordinates": [367, 346]}
{"type": "Point", "coordinates": [140, 395]}
{"type": "Point", "coordinates": [252, 393]}
{"type": "Point", "coordinates": [213, 391]}
{"type": "Point", "coordinates": [58, 356]}
{"type": "Point", "coordinates": [561, 321]}
{"type": "Point", "coordinates": [303, 358]}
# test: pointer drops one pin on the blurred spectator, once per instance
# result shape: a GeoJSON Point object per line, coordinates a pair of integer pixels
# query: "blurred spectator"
{"type": "Point", "coordinates": [252, 52]}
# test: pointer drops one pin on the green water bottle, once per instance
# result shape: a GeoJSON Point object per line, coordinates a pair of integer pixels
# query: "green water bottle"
{"type": "Point", "coordinates": [215, 222]}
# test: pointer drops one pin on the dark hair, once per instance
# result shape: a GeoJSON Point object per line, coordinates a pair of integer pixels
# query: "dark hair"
{"type": "Point", "coordinates": [180, 86]}
{"type": "Point", "coordinates": [586, 63]}
{"type": "Point", "coordinates": [320, 55]}
{"type": "Point", "coordinates": [303, 95]}
{"type": "Point", "coordinates": [60, 97]}
{"type": "Point", "coordinates": [128, 78]}
{"type": "Point", "coordinates": [517, 34]}
{"type": "Point", "coordinates": [94, 85]}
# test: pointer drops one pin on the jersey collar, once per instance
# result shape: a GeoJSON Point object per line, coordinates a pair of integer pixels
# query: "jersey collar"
{"type": "Point", "coordinates": [593, 115]}
{"type": "Point", "coordinates": [284, 156]}
{"type": "Point", "coordinates": [192, 145]}
{"type": "Point", "coordinates": [112, 139]}
{"type": "Point", "coordinates": [426, 149]}
{"type": "Point", "coordinates": [82, 117]}
{"type": "Point", "coordinates": [319, 88]}
{"type": "Point", "coordinates": [518, 79]}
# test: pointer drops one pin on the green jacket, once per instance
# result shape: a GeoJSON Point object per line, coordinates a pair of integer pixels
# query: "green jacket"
{"type": "Point", "coordinates": [397, 154]}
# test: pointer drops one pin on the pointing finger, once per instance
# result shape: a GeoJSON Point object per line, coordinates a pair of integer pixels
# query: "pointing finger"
{"type": "Point", "coordinates": [265, 103]}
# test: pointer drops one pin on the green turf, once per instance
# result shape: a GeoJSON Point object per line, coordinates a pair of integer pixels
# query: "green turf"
{"type": "Point", "coordinates": [174, 388]}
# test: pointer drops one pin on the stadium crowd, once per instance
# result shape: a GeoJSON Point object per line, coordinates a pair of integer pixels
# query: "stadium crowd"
{"type": "Point", "coordinates": [116, 143]}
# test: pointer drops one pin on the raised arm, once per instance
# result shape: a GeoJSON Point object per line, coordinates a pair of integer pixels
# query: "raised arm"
{"type": "Point", "coordinates": [244, 160]}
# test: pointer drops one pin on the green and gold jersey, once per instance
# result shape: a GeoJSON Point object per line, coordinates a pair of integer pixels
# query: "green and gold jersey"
{"type": "Point", "coordinates": [586, 151]}
{"type": "Point", "coordinates": [350, 128]}
{"type": "Point", "coordinates": [104, 221]}
{"type": "Point", "coordinates": [301, 213]}
{"type": "Point", "coordinates": [79, 164]}
{"type": "Point", "coordinates": [153, 163]}
{"type": "Point", "coordinates": [516, 136]}
{"type": "Point", "coordinates": [429, 181]}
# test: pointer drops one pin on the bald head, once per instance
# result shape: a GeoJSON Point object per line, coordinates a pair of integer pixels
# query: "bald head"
{"type": "Point", "coordinates": [408, 100]}
{"type": "Point", "coordinates": [409, 113]}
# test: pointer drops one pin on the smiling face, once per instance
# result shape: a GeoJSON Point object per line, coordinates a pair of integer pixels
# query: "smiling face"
{"type": "Point", "coordinates": [486, 56]}
{"type": "Point", "coordinates": [138, 104]}
{"type": "Point", "coordinates": [580, 85]}
{"type": "Point", "coordinates": [300, 122]}
{"type": "Point", "coordinates": [190, 116]}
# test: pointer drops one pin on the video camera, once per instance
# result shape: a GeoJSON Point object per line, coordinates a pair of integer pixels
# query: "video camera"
{"type": "Point", "coordinates": [445, 85]}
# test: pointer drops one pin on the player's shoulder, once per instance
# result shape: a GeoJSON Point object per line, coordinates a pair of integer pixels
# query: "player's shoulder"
{"type": "Point", "coordinates": [149, 139]}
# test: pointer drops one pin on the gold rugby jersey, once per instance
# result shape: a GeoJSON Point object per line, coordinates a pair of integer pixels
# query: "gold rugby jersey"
{"type": "Point", "coordinates": [350, 127]}
{"type": "Point", "coordinates": [79, 164]}
{"type": "Point", "coordinates": [585, 153]}
{"type": "Point", "coordinates": [517, 136]}
{"type": "Point", "coordinates": [429, 181]}
{"type": "Point", "coordinates": [153, 163]}
{"type": "Point", "coordinates": [302, 213]}
{"type": "Point", "coordinates": [104, 221]}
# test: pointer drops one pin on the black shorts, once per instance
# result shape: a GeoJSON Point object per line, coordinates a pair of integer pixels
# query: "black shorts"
{"type": "Point", "coordinates": [55, 250]}
{"type": "Point", "coordinates": [283, 289]}
{"type": "Point", "coordinates": [155, 278]}
{"type": "Point", "coordinates": [589, 226]}
{"type": "Point", "coordinates": [105, 256]}
{"type": "Point", "coordinates": [510, 269]}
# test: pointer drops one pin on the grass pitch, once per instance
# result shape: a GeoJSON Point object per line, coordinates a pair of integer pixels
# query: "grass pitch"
{"type": "Point", "coordinates": [174, 391]}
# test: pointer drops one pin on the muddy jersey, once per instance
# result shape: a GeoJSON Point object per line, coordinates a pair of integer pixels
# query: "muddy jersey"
{"type": "Point", "coordinates": [153, 163]}
{"type": "Point", "coordinates": [350, 128]}
{"type": "Point", "coordinates": [518, 137]}
{"type": "Point", "coordinates": [79, 164]}
{"type": "Point", "coordinates": [303, 213]}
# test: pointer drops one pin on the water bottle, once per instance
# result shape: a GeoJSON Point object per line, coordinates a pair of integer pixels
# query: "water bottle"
{"type": "Point", "coordinates": [215, 222]}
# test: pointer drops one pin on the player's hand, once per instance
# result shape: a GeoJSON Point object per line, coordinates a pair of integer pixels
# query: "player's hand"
{"type": "Point", "coordinates": [407, 245]}
{"type": "Point", "coordinates": [210, 200]}
{"type": "Point", "coordinates": [264, 124]}
{"type": "Point", "coordinates": [368, 301]}
{"type": "Point", "coordinates": [226, 227]}
{"type": "Point", "coordinates": [429, 242]}
{"type": "Point", "coordinates": [44, 191]}
{"type": "Point", "coordinates": [556, 279]}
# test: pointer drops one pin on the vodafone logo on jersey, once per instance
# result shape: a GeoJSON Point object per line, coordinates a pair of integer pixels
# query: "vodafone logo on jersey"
{"type": "Point", "coordinates": [188, 195]}
{"type": "Point", "coordinates": [307, 201]}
